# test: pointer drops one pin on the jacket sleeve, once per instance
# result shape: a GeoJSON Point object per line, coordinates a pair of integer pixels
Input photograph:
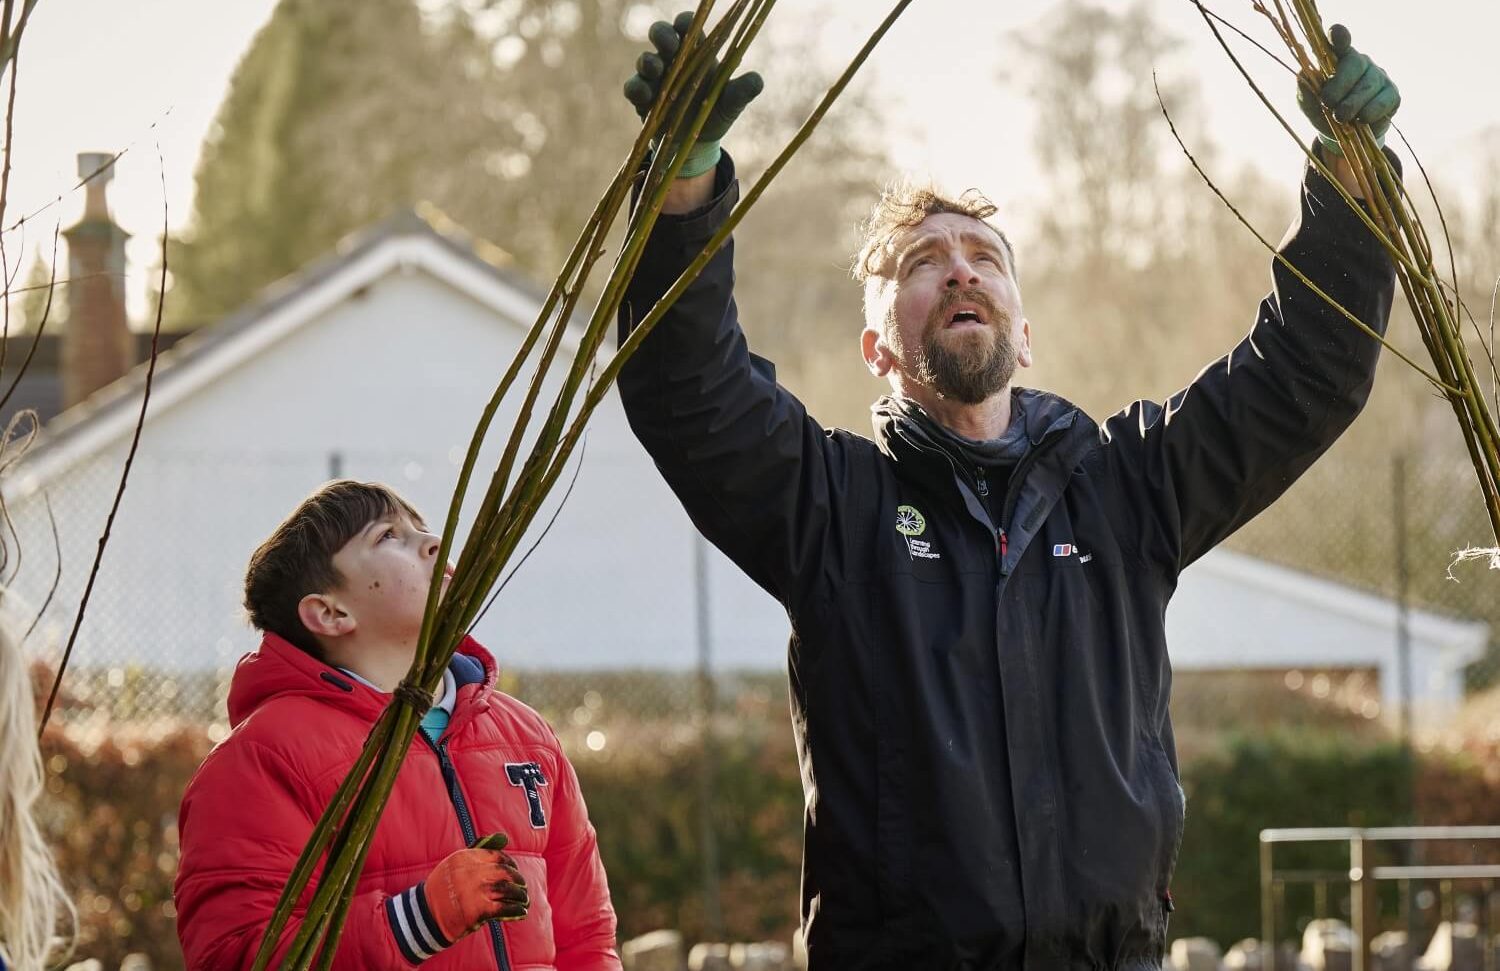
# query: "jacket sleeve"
{"type": "Point", "coordinates": [1207, 460]}
{"type": "Point", "coordinates": [756, 474]}
{"type": "Point", "coordinates": [583, 919]}
{"type": "Point", "coordinates": [243, 823]}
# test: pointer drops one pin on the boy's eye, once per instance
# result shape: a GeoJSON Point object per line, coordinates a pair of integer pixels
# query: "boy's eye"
{"type": "Point", "coordinates": [390, 533]}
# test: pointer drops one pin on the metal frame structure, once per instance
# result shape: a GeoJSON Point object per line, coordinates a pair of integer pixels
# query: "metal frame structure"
{"type": "Point", "coordinates": [1363, 876]}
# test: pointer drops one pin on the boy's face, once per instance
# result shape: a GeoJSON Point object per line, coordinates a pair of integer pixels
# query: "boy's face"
{"type": "Point", "coordinates": [387, 570]}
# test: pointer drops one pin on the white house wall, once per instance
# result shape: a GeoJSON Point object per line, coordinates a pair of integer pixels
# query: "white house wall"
{"type": "Point", "coordinates": [1219, 621]}
{"type": "Point", "coordinates": [392, 382]}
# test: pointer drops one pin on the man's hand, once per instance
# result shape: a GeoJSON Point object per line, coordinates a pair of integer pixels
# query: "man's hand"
{"type": "Point", "coordinates": [472, 886]}
{"type": "Point", "coordinates": [1359, 92]}
{"type": "Point", "coordinates": [695, 179]}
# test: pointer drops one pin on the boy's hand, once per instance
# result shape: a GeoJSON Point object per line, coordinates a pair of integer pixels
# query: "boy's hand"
{"type": "Point", "coordinates": [1359, 92]}
{"type": "Point", "coordinates": [472, 886]}
{"type": "Point", "coordinates": [644, 86]}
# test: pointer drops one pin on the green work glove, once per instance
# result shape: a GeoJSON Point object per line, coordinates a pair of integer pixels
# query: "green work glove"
{"type": "Point", "coordinates": [1359, 91]}
{"type": "Point", "coordinates": [651, 67]}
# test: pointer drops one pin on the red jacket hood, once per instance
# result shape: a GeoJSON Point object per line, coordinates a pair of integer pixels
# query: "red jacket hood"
{"type": "Point", "coordinates": [279, 670]}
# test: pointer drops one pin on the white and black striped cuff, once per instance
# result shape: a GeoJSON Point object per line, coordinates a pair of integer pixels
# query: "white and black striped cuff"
{"type": "Point", "coordinates": [411, 920]}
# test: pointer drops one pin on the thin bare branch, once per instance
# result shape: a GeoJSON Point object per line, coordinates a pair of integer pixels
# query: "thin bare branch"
{"type": "Point", "coordinates": [54, 282]}
{"type": "Point", "coordinates": [135, 441]}
{"type": "Point", "coordinates": [12, 38]}
{"type": "Point", "coordinates": [582, 450]}
{"type": "Point", "coordinates": [13, 446]}
{"type": "Point", "coordinates": [1494, 374]}
{"type": "Point", "coordinates": [1262, 48]}
{"type": "Point", "coordinates": [13, 55]}
{"type": "Point", "coordinates": [151, 129]}
{"type": "Point", "coordinates": [1295, 271]}
{"type": "Point", "coordinates": [36, 338]}
{"type": "Point", "coordinates": [56, 572]}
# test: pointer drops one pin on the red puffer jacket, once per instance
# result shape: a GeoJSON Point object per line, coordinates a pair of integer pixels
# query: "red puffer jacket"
{"type": "Point", "coordinates": [297, 727]}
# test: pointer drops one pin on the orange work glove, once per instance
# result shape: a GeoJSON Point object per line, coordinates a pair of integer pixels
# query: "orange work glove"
{"type": "Point", "coordinates": [466, 889]}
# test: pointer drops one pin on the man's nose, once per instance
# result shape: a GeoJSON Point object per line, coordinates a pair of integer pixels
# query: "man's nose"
{"type": "Point", "coordinates": [961, 274]}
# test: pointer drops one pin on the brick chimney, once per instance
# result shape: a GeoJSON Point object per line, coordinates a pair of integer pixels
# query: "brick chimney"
{"type": "Point", "coordinates": [97, 344]}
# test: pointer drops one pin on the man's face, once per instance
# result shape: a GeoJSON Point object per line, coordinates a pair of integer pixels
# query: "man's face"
{"type": "Point", "coordinates": [387, 571]}
{"type": "Point", "coordinates": [944, 311]}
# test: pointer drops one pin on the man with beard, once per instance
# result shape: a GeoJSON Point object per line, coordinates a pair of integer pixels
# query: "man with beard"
{"type": "Point", "coordinates": [978, 663]}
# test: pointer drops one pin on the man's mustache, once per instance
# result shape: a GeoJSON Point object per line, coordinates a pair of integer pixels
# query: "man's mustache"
{"type": "Point", "coordinates": [994, 316]}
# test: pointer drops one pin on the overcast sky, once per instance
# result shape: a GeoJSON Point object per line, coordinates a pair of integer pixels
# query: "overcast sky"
{"type": "Point", "coordinates": [102, 75]}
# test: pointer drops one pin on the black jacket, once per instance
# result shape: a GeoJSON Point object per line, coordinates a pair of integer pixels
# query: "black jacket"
{"type": "Point", "coordinates": [986, 750]}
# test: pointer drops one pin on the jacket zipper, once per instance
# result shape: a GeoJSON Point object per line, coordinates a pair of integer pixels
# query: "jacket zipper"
{"type": "Point", "coordinates": [466, 824]}
{"type": "Point", "coordinates": [982, 486]}
{"type": "Point", "coordinates": [1013, 492]}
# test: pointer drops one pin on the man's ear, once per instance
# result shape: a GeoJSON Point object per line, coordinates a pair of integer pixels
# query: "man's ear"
{"type": "Point", "coordinates": [878, 356]}
{"type": "Point", "coordinates": [324, 617]}
{"type": "Point", "coordinates": [1023, 352]}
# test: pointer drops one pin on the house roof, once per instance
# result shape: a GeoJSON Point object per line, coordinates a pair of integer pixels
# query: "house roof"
{"type": "Point", "coordinates": [40, 385]}
{"type": "Point", "coordinates": [40, 388]}
{"type": "Point", "coordinates": [422, 237]}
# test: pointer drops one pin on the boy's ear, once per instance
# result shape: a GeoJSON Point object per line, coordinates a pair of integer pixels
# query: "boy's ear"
{"type": "Point", "coordinates": [323, 617]}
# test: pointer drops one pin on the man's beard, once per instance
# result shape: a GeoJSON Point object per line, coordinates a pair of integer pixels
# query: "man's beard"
{"type": "Point", "coordinates": [981, 364]}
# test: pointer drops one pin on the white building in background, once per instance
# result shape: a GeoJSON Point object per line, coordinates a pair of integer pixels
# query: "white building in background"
{"type": "Point", "coordinates": [375, 363]}
{"type": "Point", "coordinates": [1236, 612]}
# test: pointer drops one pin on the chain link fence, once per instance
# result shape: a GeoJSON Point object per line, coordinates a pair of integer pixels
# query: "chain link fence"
{"type": "Point", "coordinates": [1398, 528]}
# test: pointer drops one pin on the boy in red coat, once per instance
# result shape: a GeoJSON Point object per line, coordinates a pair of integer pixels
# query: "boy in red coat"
{"type": "Point", "coordinates": [339, 591]}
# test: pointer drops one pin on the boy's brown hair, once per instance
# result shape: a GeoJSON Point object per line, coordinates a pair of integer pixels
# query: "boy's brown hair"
{"type": "Point", "coordinates": [297, 559]}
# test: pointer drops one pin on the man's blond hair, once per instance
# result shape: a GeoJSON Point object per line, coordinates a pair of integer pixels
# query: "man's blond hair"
{"type": "Point", "coordinates": [903, 206]}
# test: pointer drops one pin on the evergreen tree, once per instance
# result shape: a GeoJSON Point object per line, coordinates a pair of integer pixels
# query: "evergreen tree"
{"type": "Point", "coordinates": [340, 112]}
{"type": "Point", "coordinates": [29, 304]}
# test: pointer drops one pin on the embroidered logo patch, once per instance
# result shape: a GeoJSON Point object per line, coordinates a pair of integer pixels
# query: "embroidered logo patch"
{"type": "Point", "coordinates": [910, 522]}
{"type": "Point", "coordinates": [1064, 549]}
{"type": "Point", "coordinates": [920, 549]}
{"type": "Point", "coordinates": [528, 775]}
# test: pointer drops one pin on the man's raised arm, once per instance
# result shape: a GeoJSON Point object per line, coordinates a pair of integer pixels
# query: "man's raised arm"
{"type": "Point", "coordinates": [756, 474]}
{"type": "Point", "coordinates": [1211, 457]}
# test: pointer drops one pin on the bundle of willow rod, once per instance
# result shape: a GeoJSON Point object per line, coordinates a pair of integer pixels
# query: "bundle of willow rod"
{"type": "Point", "coordinates": [1391, 216]}
{"type": "Point", "coordinates": [706, 62]}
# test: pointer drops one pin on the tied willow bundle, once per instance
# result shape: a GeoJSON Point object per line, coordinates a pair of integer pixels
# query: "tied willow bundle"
{"type": "Point", "coordinates": [1392, 217]}
{"type": "Point", "coordinates": [689, 90]}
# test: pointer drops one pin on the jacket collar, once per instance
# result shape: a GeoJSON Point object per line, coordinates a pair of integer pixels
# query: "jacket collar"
{"type": "Point", "coordinates": [1045, 414]}
{"type": "Point", "coordinates": [277, 669]}
{"type": "Point", "coordinates": [1060, 435]}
